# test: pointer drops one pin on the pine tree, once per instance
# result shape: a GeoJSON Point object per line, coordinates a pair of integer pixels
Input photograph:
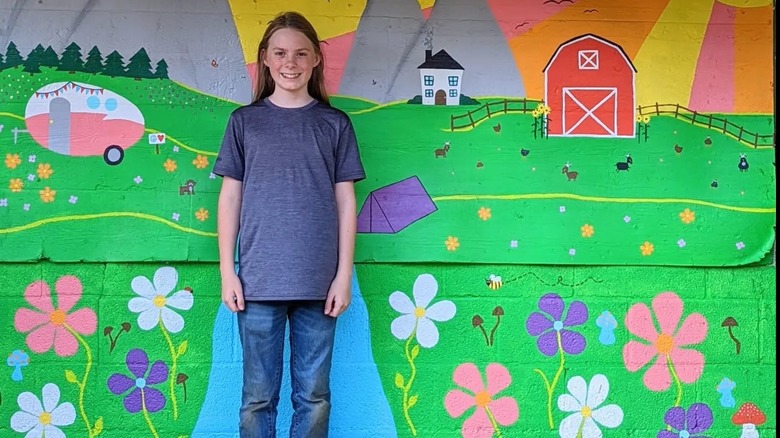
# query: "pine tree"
{"type": "Point", "coordinates": [162, 70]}
{"type": "Point", "coordinates": [33, 62]}
{"type": "Point", "coordinates": [2, 65]}
{"type": "Point", "coordinates": [115, 65]}
{"type": "Point", "coordinates": [50, 58]}
{"type": "Point", "coordinates": [12, 56]}
{"type": "Point", "coordinates": [94, 62]}
{"type": "Point", "coordinates": [140, 66]}
{"type": "Point", "coordinates": [71, 59]}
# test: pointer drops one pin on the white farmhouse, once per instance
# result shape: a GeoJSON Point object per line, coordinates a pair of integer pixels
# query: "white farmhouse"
{"type": "Point", "coordinates": [440, 78]}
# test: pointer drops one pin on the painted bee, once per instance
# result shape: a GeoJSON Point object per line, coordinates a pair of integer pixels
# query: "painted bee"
{"type": "Point", "coordinates": [494, 281]}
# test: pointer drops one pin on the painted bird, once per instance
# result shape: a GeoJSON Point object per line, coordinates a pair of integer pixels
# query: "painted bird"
{"type": "Point", "coordinates": [524, 152]}
{"type": "Point", "coordinates": [678, 148]}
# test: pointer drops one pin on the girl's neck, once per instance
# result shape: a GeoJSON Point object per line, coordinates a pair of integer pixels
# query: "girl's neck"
{"type": "Point", "coordinates": [288, 100]}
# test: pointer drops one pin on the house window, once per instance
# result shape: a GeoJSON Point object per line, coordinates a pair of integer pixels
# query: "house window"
{"type": "Point", "coordinates": [428, 93]}
{"type": "Point", "coordinates": [588, 59]}
{"type": "Point", "coordinates": [453, 81]}
{"type": "Point", "coordinates": [428, 80]}
{"type": "Point", "coordinates": [453, 92]}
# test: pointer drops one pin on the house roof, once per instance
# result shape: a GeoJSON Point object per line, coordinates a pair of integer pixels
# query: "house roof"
{"type": "Point", "coordinates": [593, 37]}
{"type": "Point", "coordinates": [441, 60]}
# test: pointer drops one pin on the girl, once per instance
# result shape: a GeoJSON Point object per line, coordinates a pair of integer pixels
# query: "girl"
{"type": "Point", "coordinates": [288, 161]}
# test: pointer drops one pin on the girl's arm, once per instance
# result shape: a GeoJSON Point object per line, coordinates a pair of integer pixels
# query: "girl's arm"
{"type": "Point", "coordinates": [228, 213]}
{"type": "Point", "coordinates": [340, 296]}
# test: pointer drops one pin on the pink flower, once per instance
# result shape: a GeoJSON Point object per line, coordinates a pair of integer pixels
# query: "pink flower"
{"type": "Point", "coordinates": [490, 411]}
{"type": "Point", "coordinates": [48, 325]}
{"type": "Point", "coordinates": [686, 363]}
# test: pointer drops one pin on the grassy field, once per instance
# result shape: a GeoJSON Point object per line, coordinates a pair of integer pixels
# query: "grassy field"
{"type": "Point", "coordinates": [531, 211]}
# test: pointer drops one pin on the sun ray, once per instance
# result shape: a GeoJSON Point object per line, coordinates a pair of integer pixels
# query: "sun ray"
{"type": "Point", "coordinates": [670, 51]}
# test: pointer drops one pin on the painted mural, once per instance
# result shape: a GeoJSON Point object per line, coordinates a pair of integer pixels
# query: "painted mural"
{"type": "Point", "coordinates": [566, 230]}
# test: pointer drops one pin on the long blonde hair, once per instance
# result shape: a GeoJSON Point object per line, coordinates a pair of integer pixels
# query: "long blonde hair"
{"type": "Point", "coordinates": [265, 83]}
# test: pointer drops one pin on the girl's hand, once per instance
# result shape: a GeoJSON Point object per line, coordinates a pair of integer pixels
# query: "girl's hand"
{"type": "Point", "coordinates": [339, 296]}
{"type": "Point", "coordinates": [232, 292]}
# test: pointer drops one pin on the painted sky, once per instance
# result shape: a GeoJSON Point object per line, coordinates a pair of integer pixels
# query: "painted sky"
{"type": "Point", "coordinates": [710, 55]}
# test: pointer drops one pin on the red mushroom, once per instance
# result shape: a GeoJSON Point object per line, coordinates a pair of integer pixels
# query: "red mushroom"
{"type": "Point", "coordinates": [748, 416]}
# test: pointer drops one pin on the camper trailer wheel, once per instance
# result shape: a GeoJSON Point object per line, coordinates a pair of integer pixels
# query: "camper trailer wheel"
{"type": "Point", "coordinates": [113, 155]}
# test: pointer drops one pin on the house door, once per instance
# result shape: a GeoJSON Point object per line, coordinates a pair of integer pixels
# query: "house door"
{"type": "Point", "coordinates": [590, 111]}
{"type": "Point", "coordinates": [441, 97]}
{"type": "Point", "coordinates": [59, 125]}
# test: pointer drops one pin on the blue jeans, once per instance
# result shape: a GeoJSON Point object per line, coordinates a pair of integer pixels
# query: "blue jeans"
{"type": "Point", "coordinates": [261, 327]}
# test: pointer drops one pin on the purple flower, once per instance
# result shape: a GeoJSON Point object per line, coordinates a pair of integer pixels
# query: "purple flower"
{"type": "Point", "coordinates": [688, 424]}
{"type": "Point", "coordinates": [142, 396]}
{"type": "Point", "coordinates": [551, 324]}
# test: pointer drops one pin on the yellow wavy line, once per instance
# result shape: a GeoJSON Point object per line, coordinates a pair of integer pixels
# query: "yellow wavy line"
{"type": "Point", "coordinates": [14, 116]}
{"type": "Point", "coordinates": [604, 199]}
{"type": "Point", "coordinates": [83, 217]}
{"type": "Point", "coordinates": [374, 108]}
{"type": "Point", "coordinates": [178, 143]}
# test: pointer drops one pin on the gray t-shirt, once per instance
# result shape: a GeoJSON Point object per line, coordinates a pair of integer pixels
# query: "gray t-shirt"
{"type": "Point", "coordinates": [289, 160]}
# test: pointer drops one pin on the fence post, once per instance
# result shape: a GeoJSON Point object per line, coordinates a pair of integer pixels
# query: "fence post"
{"type": "Point", "coordinates": [709, 124]}
{"type": "Point", "coordinates": [488, 110]}
{"type": "Point", "coordinates": [741, 130]}
{"type": "Point", "coordinates": [756, 144]}
{"type": "Point", "coordinates": [452, 123]}
{"type": "Point", "coordinates": [657, 109]}
{"type": "Point", "coordinates": [725, 126]}
{"type": "Point", "coordinates": [471, 119]}
{"type": "Point", "coordinates": [693, 119]}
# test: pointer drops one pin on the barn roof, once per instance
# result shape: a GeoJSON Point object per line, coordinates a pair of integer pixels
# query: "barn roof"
{"type": "Point", "coordinates": [592, 36]}
{"type": "Point", "coordinates": [441, 60]}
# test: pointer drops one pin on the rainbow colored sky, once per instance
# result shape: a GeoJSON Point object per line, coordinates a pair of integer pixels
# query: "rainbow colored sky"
{"type": "Point", "coordinates": [709, 55]}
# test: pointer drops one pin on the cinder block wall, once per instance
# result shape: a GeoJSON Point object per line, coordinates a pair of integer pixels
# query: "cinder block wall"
{"type": "Point", "coordinates": [521, 303]}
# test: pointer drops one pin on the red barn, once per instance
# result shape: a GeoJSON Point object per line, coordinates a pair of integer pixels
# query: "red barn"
{"type": "Point", "coordinates": [589, 87]}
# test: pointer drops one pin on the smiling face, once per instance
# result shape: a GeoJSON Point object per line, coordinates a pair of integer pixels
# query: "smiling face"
{"type": "Point", "coordinates": [290, 59]}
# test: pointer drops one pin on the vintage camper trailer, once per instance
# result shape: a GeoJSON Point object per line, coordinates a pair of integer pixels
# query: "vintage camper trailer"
{"type": "Point", "coordinates": [77, 119]}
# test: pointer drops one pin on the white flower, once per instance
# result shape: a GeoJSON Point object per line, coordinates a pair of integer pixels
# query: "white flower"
{"type": "Point", "coordinates": [740, 245]}
{"type": "Point", "coordinates": [73, 199]}
{"type": "Point", "coordinates": [626, 218]}
{"type": "Point", "coordinates": [31, 158]}
{"type": "Point", "coordinates": [572, 252]}
{"type": "Point", "coordinates": [584, 400]}
{"type": "Point", "coordinates": [43, 420]}
{"type": "Point", "coordinates": [562, 209]}
{"type": "Point", "coordinates": [417, 317]}
{"type": "Point", "coordinates": [152, 305]}
{"type": "Point", "coordinates": [681, 243]}
{"type": "Point", "coordinates": [175, 216]}
{"type": "Point", "coordinates": [138, 179]}
{"type": "Point", "coordinates": [31, 177]}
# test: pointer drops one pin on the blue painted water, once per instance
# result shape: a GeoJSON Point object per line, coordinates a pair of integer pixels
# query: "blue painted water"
{"type": "Point", "coordinates": [360, 408]}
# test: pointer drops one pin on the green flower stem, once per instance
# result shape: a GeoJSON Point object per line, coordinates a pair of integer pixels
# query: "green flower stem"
{"type": "Point", "coordinates": [676, 380]}
{"type": "Point", "coordinates": [172, 376]}
{"type": "Point", "coordinates": [408, 386]}
{"type": "Point", "coordinates": [83, 384]}
{"type": "Point", "coordinates": [146, 415]}
{"type": "Point", "coordinates": [493, 422]}
{"type": "Point", "coordinates": [550, 387]}
{"type": "Point", "coordinates": [581, 428]}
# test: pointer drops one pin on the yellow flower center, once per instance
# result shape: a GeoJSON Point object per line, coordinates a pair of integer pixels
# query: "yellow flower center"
{"type": "Point", "coordinates": [419, 312]}
{"type": "Point", "coordinates": [159, 301]}
{"type": "Point", "coordinates": [45, 418]}
{"type": "Point", "coordinates": [482, 399]}
{"type": "Point", "coordinates": [57, 317]}
{"type": "Point", "coordinates": [664, 344]}
{"type": "Point", "coordinates": [586, 412]}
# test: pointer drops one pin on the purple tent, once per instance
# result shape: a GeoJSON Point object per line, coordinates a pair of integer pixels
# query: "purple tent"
{"type": "Point", "coordinates": [392, 208]}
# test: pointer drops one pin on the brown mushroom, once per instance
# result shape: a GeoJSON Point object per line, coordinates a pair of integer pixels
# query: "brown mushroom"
{"type": "Point", "coordinates": [730, 322]}
{"type": "Point", "coordinates": [748, 416]}
{"type": "Point", "coordinates": [477, 321]}
{"type": "Point", "coordinates": [497, 312]}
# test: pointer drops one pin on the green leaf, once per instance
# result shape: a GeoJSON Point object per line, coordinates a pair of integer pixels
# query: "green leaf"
{"type": "Point", "coordinates": [412, 400]}
{"type": "Point", "coordinates": [98, 429]}
{"type": "Point", "coordinates": [415, 351]}
{"type": "Point", "coordinates": [399, 380]}
{"type": "Point", "coordinates": [70, 376]}
{"type": "Point", "coordinates": [182, 348]}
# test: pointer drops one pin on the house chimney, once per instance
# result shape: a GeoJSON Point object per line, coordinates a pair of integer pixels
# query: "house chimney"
{"type": "Point", "coordinates": [428, 53]}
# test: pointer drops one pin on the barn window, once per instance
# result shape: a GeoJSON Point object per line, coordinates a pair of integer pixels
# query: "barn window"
{"type": "Point", "coordinates": [453, 80]}
{"type": "Point", "coordinates": [428, 93]}
{"type": "Point", "coordinates": [589, 59]}
{"type": "Point", "coordinates": [453, 92]}
{"type": "Point", "coordinates": [428, 80]}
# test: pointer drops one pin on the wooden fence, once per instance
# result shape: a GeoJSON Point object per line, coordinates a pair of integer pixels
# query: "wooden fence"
{"type": "Point", "coordinates": [712, 122]}
{"type": "Point", "coordinates": [491, 109]}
